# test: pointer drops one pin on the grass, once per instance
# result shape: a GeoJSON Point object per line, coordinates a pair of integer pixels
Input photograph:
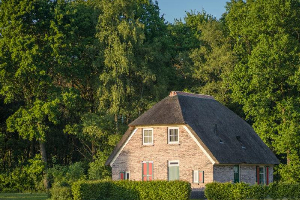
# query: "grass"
{"type": "Point", "coordinates": [23, 196]}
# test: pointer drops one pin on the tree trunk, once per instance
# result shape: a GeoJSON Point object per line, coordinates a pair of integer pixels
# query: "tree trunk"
{"type": "Point", "coordinates": [44, 159]}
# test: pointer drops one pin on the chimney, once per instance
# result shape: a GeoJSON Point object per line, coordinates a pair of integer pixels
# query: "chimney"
{"type": "Point", "coordinates": [173, 93]}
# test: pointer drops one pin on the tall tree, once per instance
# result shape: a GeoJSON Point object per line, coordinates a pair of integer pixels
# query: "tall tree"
{"type": "Point", "coordinates": [265, 80]}
{"type": "Point", "coordinates": [129, 75]}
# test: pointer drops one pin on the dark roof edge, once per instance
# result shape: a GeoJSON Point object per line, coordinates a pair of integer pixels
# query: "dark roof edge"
{"type": "Point", "coordinates": [202, 144]}
{"type": "Point", "coordinates": [119, 145]}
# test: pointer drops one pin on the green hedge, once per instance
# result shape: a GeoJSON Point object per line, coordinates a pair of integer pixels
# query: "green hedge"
{"type": "Point", "coordinates": [131, 190]}
{"type": "Point", "coordinates": [240, 191]}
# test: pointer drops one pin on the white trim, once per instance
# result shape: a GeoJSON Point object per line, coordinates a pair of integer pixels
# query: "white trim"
{"type": "Point", "coordinates": [201, 147]}
{"type": "Point", "coordinates": [147, 161]}
{"type": "Point", "coordinates": [127, 173]}
{"type": "Point", "coordinates": [172, 163]}
{"type": "Point", "coordinates": [195, 176]}
{"type": "Point", "coordinates": [148, 129]}
{"type": "Point", "coordinates": [121, 149]}
{"type": "Point", "coordinates": [169, 128]}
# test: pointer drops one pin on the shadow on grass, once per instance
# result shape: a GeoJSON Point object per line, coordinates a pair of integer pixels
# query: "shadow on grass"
{"type": "Point", "coordinates": [23, 196]}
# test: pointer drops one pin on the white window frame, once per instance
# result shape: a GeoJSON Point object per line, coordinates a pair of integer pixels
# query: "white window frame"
{"type": "Point", "coordinates": [196, 176]}
{"type": "Point", "coordinates": [173, 163]}
{"type": "Point", "coordinates": [169, 142]}
{"type": "Point", "coordinates": [170, 163]}
{"type": "Point", "coordinates": [127, 173]}
{"type": "Point", "coordinates": [147, 129]}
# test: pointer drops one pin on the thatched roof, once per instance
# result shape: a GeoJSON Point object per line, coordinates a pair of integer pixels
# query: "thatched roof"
{"type": "Point", "coordinates": [223, 134]}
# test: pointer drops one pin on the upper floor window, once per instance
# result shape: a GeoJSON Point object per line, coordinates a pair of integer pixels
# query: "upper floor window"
{"type": "Point", "coordinates": [147, 136]}
{"type": "Point", "coordinates": [173, 135]}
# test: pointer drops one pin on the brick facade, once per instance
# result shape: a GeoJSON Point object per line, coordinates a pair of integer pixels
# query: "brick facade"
{"type": "Point", "coordinates": [224, 173]}
{"type": "Point", "coordinates": [189, 155]}
{"type": "Point", "coordinates": [187, 152]}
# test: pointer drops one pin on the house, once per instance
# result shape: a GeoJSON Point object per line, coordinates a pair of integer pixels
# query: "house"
{"type": "Point", "coordinates": [194, 138]}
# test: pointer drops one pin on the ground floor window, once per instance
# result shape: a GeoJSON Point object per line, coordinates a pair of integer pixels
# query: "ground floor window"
{"type": "Point", "coordinates": [147, 170]}
{"type": "Point", "coordinates": [124, 176]}
{"type": "Point", "coordinates": [198, 176]}
{"type": "Point", "coordinates": [173, 170]}
{"type": "Point", "coordinates": [236, 174]}
{"type": "Point", "coordinates": [262, 175]}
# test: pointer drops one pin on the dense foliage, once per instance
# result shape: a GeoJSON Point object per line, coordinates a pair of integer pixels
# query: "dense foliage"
{"type": "Point", "coordinates": [74, 73]}
{"type": "Point", "coordinates": [131, 190]}
{"type": "Point", "coordinates": [240, 191]}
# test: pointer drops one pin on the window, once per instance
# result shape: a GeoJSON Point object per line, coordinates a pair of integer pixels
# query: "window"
{"type": "Point", "coordinates": [124, 176]}
{"type": "Point", "coordinates": [147, 136]}
{"type": "Point", "coordinates": [173, 170]}
{"type": "Point", "coordinates": [262, 175]}
{"type": "Point", "coordinates": [198, 176]}
{"type": "Point", "coordinates": [147, 170]}
{"type": "Point", "coordinates": [267, 176]}
{"type": "Point", "coordinates": [173, 135]}
{"type": "Point", "coordinates": [236, 174]}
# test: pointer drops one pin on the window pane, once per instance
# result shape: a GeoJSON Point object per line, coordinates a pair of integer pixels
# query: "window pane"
{"type": "Point", "coordinates": [147, 136]}
{"type": "Point", "coordinates": [173, 173]}
{"type": "Point", "coordinates": [261, 175]}
{"type": "Point", "coordinates": [173, 135]}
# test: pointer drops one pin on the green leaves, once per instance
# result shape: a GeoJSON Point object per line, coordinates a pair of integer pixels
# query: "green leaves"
{"type": "Point", "coordinates": [263, 80]}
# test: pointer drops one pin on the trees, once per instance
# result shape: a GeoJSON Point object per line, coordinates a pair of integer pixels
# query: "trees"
{"type": "Point", "coordinates": [266, 37]}
{"type": "Point", "coordinates": [129, 33]}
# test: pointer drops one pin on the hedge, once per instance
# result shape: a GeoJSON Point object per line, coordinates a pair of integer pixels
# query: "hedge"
{"type": "Point", "coordinates": [131, 190]}
{"type": "Point", "coordinates": [240, 191]}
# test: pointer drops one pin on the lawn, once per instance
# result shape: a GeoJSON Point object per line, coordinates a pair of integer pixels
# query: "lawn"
{"type": "Point", "coordinates": [23, 196]}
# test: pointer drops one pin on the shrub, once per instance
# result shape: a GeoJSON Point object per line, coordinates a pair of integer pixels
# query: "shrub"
{"type": "Point", "coordinates": [131, 190]}
{"type": "Point", "coordinates": [240, 191]}
{"type": "Point", "coordinates": [24, 177]}
{"type": "Point", "coordinates": [61, 176]}
{"type": "Point", "coordinates": [61, 193]}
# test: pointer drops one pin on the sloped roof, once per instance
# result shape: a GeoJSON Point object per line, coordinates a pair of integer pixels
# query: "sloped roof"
{"type": "Point", "coordinates": [223, 134]}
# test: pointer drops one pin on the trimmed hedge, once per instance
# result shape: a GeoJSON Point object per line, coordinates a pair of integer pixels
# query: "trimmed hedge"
{"type": "Point", "coordinates": [131, 190]}
{"type": "Point", "coordinates": [240, 191]}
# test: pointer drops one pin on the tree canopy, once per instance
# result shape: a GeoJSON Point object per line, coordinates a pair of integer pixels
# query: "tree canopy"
{"type": "Point", "coordinates": [74, 74]}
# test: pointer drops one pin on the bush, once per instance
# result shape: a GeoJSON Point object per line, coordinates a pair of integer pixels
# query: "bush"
{"type": "Point", "coordinates": [131, 190]}
{"type": "Point", "coordinates": [62, 176]}
{"type": "Point", "coordinates": [24, 178]}
{"type": "Point", "coordinates": [61, 193]}
{"type": "Point", "coordinates": [240, 191]}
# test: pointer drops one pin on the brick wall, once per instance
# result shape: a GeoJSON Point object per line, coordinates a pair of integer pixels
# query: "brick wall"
{"type": "Point", "coordinates": [224, 173]}
{"type": "Point", "coordinates": [187, 152]}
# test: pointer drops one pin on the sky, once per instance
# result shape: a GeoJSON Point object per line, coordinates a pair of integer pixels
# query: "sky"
{"type": "Point", "coordinates": [176, 8]}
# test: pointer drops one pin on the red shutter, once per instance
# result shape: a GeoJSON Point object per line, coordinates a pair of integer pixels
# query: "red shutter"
{"type": "Point", "coordinates": [144, 171]}
{"type": "Point", "coordinates": [257, 174]}
{"type": "Point", "coordinates": [122, 175]}
{"type": "Point", "coordinates": [267, 175]}
{"type": "Point", "coordinates": [201, 177]}
{"type": "Point", "coordinates": [150, 171]}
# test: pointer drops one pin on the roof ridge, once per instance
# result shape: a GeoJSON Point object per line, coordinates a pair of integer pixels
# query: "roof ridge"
{"type": "Point", "coordinates": [180, 93]}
